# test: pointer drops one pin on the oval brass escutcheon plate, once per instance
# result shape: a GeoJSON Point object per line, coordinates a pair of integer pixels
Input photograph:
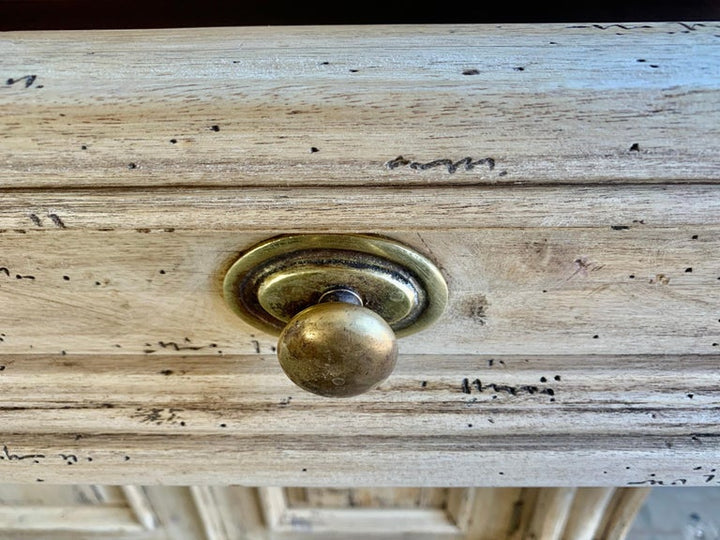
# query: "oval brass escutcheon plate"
{"type": "Point", "coordinates": [276, 279]}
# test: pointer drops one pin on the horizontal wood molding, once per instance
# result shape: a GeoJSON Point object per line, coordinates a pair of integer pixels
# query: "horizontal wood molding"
{"type": "Point", "coordinates": [379, 210]}
{"type": "Point", "coordinates": [438, 420]}
{"type": "Point", "coordinates": [361, 106]}
{"type": "Point", "coordinates": [81, 520]}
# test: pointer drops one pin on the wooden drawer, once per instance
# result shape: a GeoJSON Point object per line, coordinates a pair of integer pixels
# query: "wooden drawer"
{"type": "Point", "coordinates": [563, 177]}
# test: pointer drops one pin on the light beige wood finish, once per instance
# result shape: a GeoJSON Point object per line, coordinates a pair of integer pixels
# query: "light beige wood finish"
{"type": "Point", "coordinates": [552, 509]}
{"type": "Point", "coordinates": [237, 513]}
{"type": "Point", "coordinates": [493, 513]}
{"type": "Point", "coordinates": [478, 514]}
{"type": "Point", "coordinates": [586, 513]}
{"type": "Point", "coordinates": [550, 290]}
{"type": "Point", "coordinates": [241, 513]}
{"type": "Point", "coordinates": [211, 512]}
{"type": "Point", "coordinates": [611, 420]}
{"type": "Point", "coordinates": [85, 512]}
{"type": "Point", "coordinates": [364, 209]}
{"type": "Point", "coordinates": [581, 343]}
{"type": "Point", "coordinates": [92, 520]}
{"type": "Point", "coordinates": [367, 497]}
{"type": "Point", "coordinates": [365, 513]}
{"type": "Point", "coordinates": [548, 103]}
{"type": "Point", "coordinates": [140, 505]}
{"type": "Point", "coordinates": [621, 513]}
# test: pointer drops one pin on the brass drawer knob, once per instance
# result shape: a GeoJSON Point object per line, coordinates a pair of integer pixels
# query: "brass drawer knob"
{"type": "Point", "coordinates": [338, 347]}
{"type": "Point", "coordinates": [337, 303]}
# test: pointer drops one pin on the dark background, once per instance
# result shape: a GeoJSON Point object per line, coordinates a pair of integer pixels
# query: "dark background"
{"type": "Point", "coordinates": [82, 14]}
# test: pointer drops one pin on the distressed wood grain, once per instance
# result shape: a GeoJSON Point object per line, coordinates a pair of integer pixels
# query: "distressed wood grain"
{"type": "Point", "coordinates": [588, 291]}
{"type": "Point", "coordinates": [586, 513]}
{"type": "Point", "coordinates": [621, 513]}
{"type": "Point", "coordinates": [267, 513]}
{"type": "Point", "coordinates": [595, 420]}
{"type": "Point", "coordinates": [563, 177]}
{"type": "Point", "coordinates": [379, 210]}
{"type": "Point", "coordinates": [359, 106]}
{"type": "Point", "coordinates": [552, 510]}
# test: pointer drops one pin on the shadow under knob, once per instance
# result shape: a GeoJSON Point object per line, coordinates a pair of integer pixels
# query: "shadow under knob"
{"type": "Point", "coordinates": [337, 349]}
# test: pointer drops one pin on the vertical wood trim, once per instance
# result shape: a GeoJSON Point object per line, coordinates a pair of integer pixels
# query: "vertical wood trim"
{"type": "Point", "coordinates": [623, 508]}
{"type": "Point", "coordinates": [176, 512]}
{"type": "Point", "coordinates": [101, 494]}
{"type": "Point", "coordinates": [523, 513]}
{"type": "Point", "coordinates": [460, 504]}
{"type": "Point", "coordinates": [242, 512]}
{"type": "Point", "coordinates": [209, 510]}
{"type": "Point", "coordinates": [494, 511]}
{"type": "Point", "coordinates": [551, 513]}
{"type": "Point", "coordinates": [140, 505]}
{"type": "Point", "coordinates": [587, 512]}
{"type": "Point", "coordinates": [274, 505]}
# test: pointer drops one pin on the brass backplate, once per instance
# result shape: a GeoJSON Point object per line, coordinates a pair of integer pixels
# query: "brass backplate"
{"type": "Point", "coordinates": [276, 279]}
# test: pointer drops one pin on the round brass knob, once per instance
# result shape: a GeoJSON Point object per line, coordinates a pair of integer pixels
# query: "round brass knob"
{"type": "Point", "coordinates": [337, 302]}
{"type": "Point", "coordinates": [337, 349]}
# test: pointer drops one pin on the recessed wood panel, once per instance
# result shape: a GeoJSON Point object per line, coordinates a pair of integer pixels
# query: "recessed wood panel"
{"type": "Point", "coordinates": [77, 511]}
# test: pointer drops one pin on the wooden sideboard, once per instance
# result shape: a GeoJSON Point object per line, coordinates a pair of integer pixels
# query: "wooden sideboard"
{"type": "Point", "coordinates": [563, 177]}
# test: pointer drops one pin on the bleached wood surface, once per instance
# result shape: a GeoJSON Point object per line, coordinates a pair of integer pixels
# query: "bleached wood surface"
{"type": "Point", "coordinates": [552, 103]}
{"type": "Point", "coordinates": [536, 290]}
{"type": "Point", "coordinates": [595, 420]}
{"type": "Point", "coordinates": [242, 513]}
{"type": "Point", "coordinates": [136, 166]}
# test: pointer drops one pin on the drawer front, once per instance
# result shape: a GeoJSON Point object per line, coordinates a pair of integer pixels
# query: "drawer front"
{"type": "Point", "coordinates": [541, 290]}
{"type": "Point", "coordinates": [563, 178]}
